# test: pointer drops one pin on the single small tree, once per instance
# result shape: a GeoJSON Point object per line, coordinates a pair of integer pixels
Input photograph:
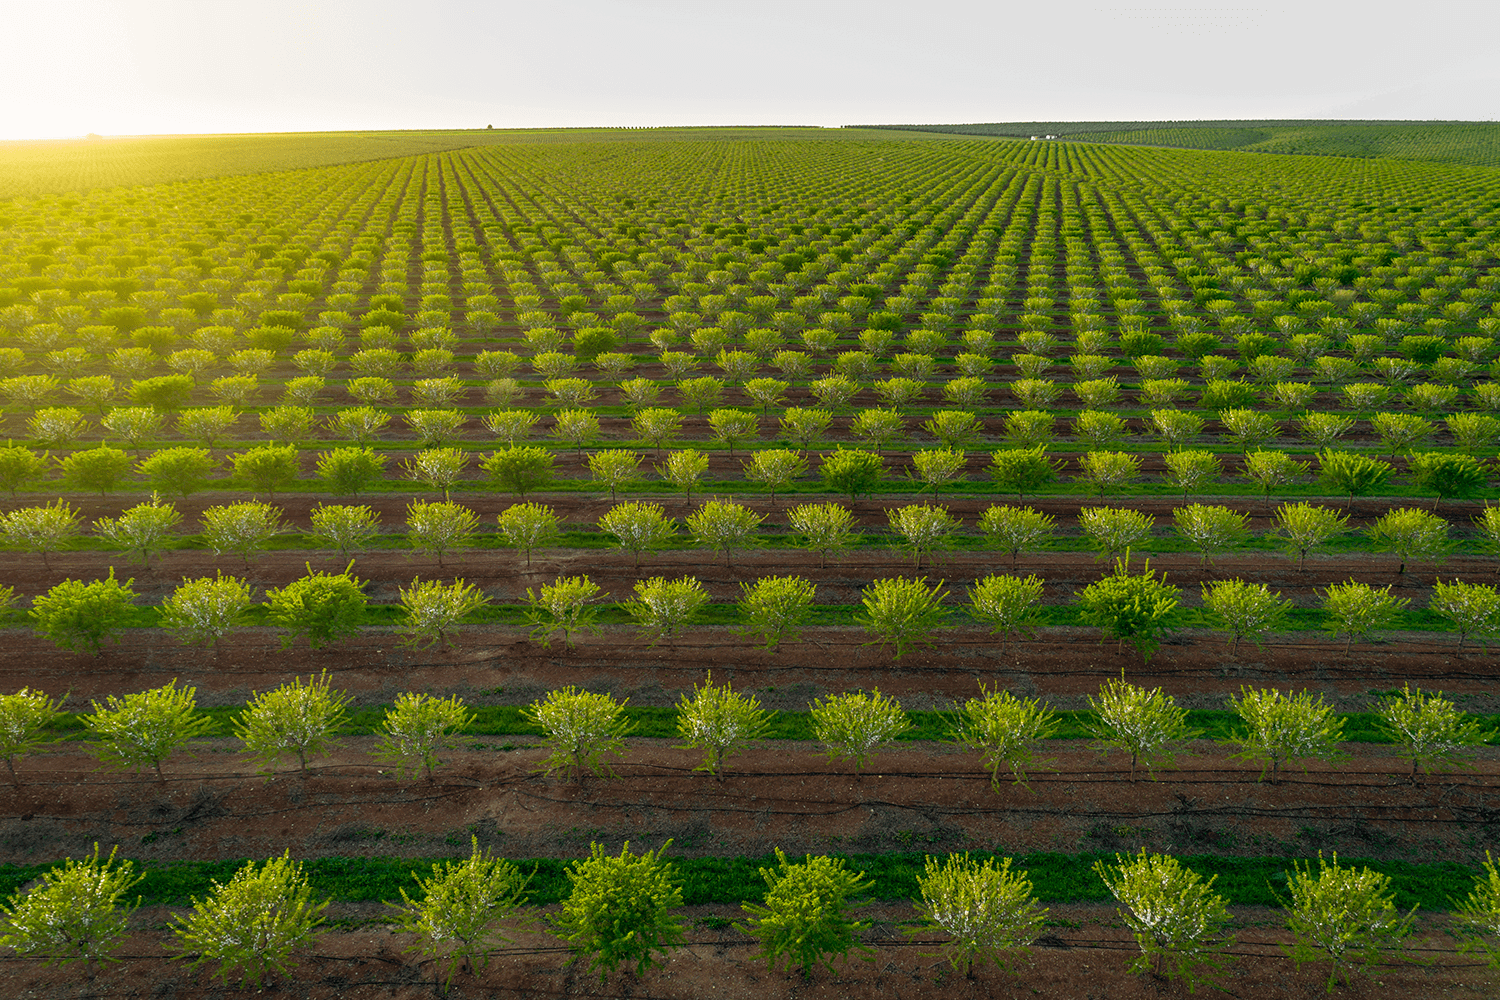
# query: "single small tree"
{"type": "Point", "coordinates": [1344, 916]}
{"type": "Point", "coordinates": [1007, 604]}
{"type": "Point", "coordinates": [656, 426]}
{"type": "Point", "coordinates": [346, 528]}
{"type": "Point", "coordinates": [74, 913]}
{"type": "Point", "coordinates": [805, 920]}
{"type": "Point", "coordinates": [1114, 530]}
{"type": "Point", "coordinates": [565, 605]}
{"type": "Point", "coordinates": [720, 722]}
{"type": "Point", "coordinates": [683, 469]}
{"type": "Point", "coordinates": [1271, 470]}
{"type": "Point", "coordinates": [730, 427]}
{"type": "Point", "coordinates": [437, 468]}
{"type": "Point", "coordinates": [1478, 916]}
{"type": "Point", "coordinates": [296, 718]}
{"type": "Point", "coordinates": [724, 525]}
{"type": "Point", "coordinates": [241, 527]}
{"type": "Point", "coordinates": [350, 471]}
{"type": "Point", "coordinates": [936, 467]}
{"type": "Point", "coordinates": [1004, 730]}
{"type": "Point", "coordinates": [854, 726]}
{"type": "Point", "coordinates": [1174, 915]}
{"type": "Point", "coordinates": [40, 529]}
{"type": "Point", "coordinates": [1015, 528]}
{"type": "Point", "coordinates": [826, 527]}
{"type": "Point", "coordinates": [1211, 528]}
{"type": "Point", "coordinates": [615, 468]}
{"type": "Point", "coordinates": [253, 923]}
{"type": "Point", "coordinates": [638, 527]}
{"type": "Point", "coordinates": [664, 608]}
{"type": "Point", "coordinates": [1411, 533]}
{"type": "Point", "coordinates": [620, 909]}
{"type": "Point", "coordinates": [1473, 608]}
{"type": "Point", "coordinates": [1447, 475]}
{"type": "Point", "coordinates": [582, 729]}
{"type": "Point", "coordinates": [877, 427]}
{"type": "Point", "coordinates": [1281, 727]}
{"type": "Point", "coordinates": [1304, 526]}
{"type": "Point", "coordinates": [76, 615]}
{"type": "Point", "coordinates": [1352, 472]}
{"type": "Point", "coordinates": [24, 717]}
{"type": "Point", "coordinates": [141, 530]}
{"type": "Point", "coordinates": [439, 527]}
{"type": "Point", "coordinates": [1355, 610]}
{"type": "Point", "coordinates": [178, 471]}
{"type": "Point", "coordinates": [268, 467]}
{"type": "Point", "coordinates": [1429, 730]}
{"type": "Point", "coordinates": [1145, 724]}
{"type": "Point", "coordinates": [519, 469]}
{"type": "Point", "coordinates": [460, 905]}
{"type": "Point", "coordinates": [527, 526]}
{"type": "Point", "coordinates": [775, 468]}
{"type": "Point", "coordinates": [774, 608]}
{"type": "Point", "coordinates": [1244, 609]}
{"type": "Point", "coordinates": [987, 911]}
{"type": "Point", "coordinates": [1191, 471]}
{"type": "Point", "coordinates": [1106, 470]}
{"type": "Point", "coordinates": [431, 610]}
{"type": "Point", "coordinates": [804, 425]}
{"type": "Point", "coordinates": [201, 612]}
{"type": "Point", "coordinates": [416, 727]}
{"type": "Point", "coordinates": [135, 730]}
{"type": "Point", "coordinates": [923, 529]}
{"type": "Point", "coordinates": [98, 470]}
{"type": "Point", "coordinates": [323, 607]}
{"type": "Point", "coordinates": [1022, 470]}
{"type": "Point", "coordinates": [1130, 607]}
{"type": "Point", "coordinates": [20, 465]}
{"type": "Point", "coordinates": [902, 613]}
{"type": "Point", "coordinates": [851, 471]}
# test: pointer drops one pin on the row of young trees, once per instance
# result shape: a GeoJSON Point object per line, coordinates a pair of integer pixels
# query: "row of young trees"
{"type": "Point", "coordinates": [583, 729]}
{"type": "Point", "coordinates": [620, 911]}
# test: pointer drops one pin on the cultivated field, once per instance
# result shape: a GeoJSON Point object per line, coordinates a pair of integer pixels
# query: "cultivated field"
{"type": "Point", "coordinates": [822, 413]}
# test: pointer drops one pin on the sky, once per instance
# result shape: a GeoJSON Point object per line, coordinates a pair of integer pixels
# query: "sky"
{"type": "Point", "coordinates": [140, 67]}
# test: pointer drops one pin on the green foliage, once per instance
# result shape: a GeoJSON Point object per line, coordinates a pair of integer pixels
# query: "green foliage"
{"type": "Point", "coordinates": [1192, 470]}
{"type": "Point", "coordinates": [1022, 470]}
{"type": "Point", "coordinates": [178, 471]}
{"type": "Point", "coordinates": [774, 608]}
{"type": "Point", "coordinates": [20, 465]}
{"type": "Point", "coordinates": [664, 608]}
{"type": "Point", "coordinates": [203, 611]}
{"type": "Point", "coordinates": [1447, 475]}
{"type": "Point", "coordinates": [527, 526]}
{"type": "Point", "coordinates": [1244, 609]}
{"type": "Point", "coordinates": [1411, 533]}
{"type": "Point", "coordinates": [937, 467]}
{"type": "Point", "coordinates": [724, 525]}
{"type": "Point", "coordinates": [1145, 724]}
{"type": "Point", "coordinates": [253, 923]}
{"type": "Point", "coordinates": [683, 469]}
{"type": "Point", "coordinates": [346, 528]}
{"type": "Point", "coordinates": [1016, 528]}
{"type": "Point", "coordinates": [432, 609]}
{"type": "Point", "coordinates": [1271, 470]}
{"type": "Point", "coordinates": [902, 613]}
{"type": "Point", "coordinates": [1007, 604]}
{"type": "Point", "coordinates": [1355, 610]}
{"type": "Point", "coordinates": [1473, 608]}
{"type": "Point", "coordinates": [614, 468]}
{"type": "Point", "coordinates": [348, 471]}
{"type": "Point", "coordinates": [241, 527]}
{"type": "Point", "coordinates": [1006, 730]}
{"type": "Point", "coordinates": [1114, 530]}
{"type": "Point", "coordinates": [163, 392]}
{"type": "Point", "coordinates": [805, 920]}
{"type": "Point", "coordinates": [566, 605]}
{"type": "Point", "coordinates": [1211, 528]}
{"type": "Point", "coordinates": [1281, 727]}
{"type": "Point", "coordinates": [775, 467]}
{"type": "Point", "coordinates": [1302, 527]}
{"type": "Point", "coordinates": [923, 529]}
{"type": "Point", "coordinates": [76, 615]}
{"type": "Point", "coordinates": [40, 529]}
{"type": "Point", "coordinates": [73, 914]}
{"type": "Point", "coordinates": [460, 904]}
{"type": "Point", "coordinates": [1106, 470]}
{"type": "Point", "coordinates": [439, 527]}
{"type": "Point", "coordinates": [582, 729]}
{"type": "Point", "coordinates": [134, 730]}
{"type": "Point", "coordinates": [267, 467]}
{"type": "Point", "coordinates": [1429, 730]}
{"type": "Point", "coordinates": [1131, 608]}
{"type": "Point", "coordinates": [720, 722]}
{"type": "Point", "coordinates": [1344, 916]}
{"type": "Point", "coordinates": [437, 468]}
{"type": "Point", "coordinates": [1351, 472]}
{"type": "Point", "coordinates": [854, 726]}
{"type": "Point", "coordinates": [24, 717]}
{"type": "Point", "coordinates": [322, 607]}
{"type": "Point", "coordinates": [620, 909]}
{"type": "Point", "coordinates": [987, 911]}
{"type": "Point", "coordinates": [639, 527]}
{"type": "Point", "coordinates": [851, 471]}
{"type": "Point", "coordinates": [415, 728]}
{"type": "Point", "coordinates": [1478, 916]}
{"type": "Point", "coordinates": [296, 718]}
{"type": "Point", "coordinates": [825, 527]}
{"type": "Point", "coordinates": [1174, 915]}
{"type": "Point", "coordinates": [98, 469]}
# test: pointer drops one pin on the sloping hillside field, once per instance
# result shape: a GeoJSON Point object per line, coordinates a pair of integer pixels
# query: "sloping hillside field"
{"type": "Point", "coordinates": [898, 499]}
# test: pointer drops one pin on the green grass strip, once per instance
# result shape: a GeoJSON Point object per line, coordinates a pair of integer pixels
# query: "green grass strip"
{"type": "Point", "coordinates": [661, 723]}
{"type": "Point", "coordinates": [1057, 878]}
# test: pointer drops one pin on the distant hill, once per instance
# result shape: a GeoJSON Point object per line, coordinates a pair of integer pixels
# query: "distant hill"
{"type": "Point", "coordinates": [1443, 142]}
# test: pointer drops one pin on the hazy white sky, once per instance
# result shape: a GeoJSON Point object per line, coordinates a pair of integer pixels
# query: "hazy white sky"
{"type": "Point", "coordinates": [172, 66]}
